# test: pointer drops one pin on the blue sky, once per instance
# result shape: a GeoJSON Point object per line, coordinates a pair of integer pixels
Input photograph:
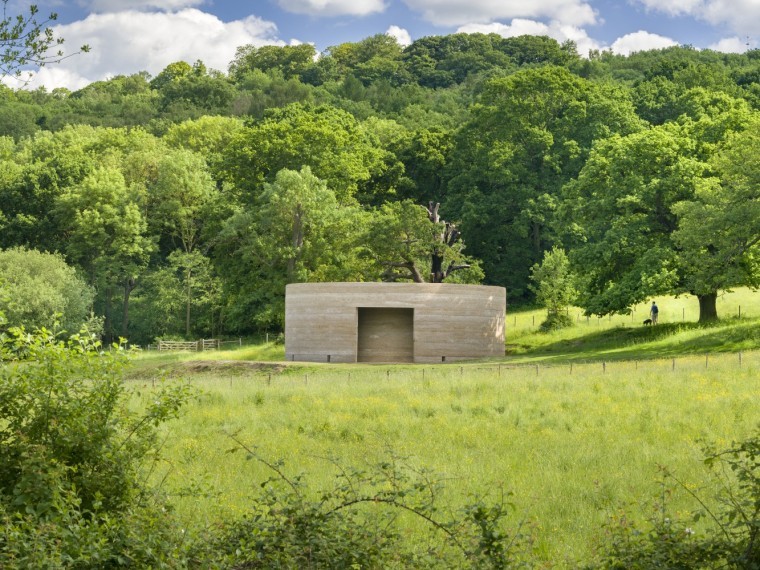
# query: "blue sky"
{"type": "Point", "coordinates": [128, 36]}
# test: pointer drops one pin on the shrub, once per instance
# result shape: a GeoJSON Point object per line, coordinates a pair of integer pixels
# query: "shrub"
{"type": "Point", "coordinates": [356, 525]}
{"type": "Point", "coordinates": [41, 290]}
{"type": "Point", "coordinates": [731, 539]}
{"type": "Point", "coordinates": [556, 321]}
{"type": "Point", "coordinates": [73, 459]}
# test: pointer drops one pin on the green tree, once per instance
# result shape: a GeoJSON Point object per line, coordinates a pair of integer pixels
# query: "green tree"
{"type": "Point", "coordinates": [34, 174]}
{"type": "Point", "coordinates": [718, 228]}
{"type": "Point", "coordinates": [621, 205]}
{"type": "Point", "coordinates": [529, 134]}
{"type": "Point", "coordinates": [297, 231]}
{"type": "Point", "coordinates": [408, 242]}
{"type": "Point", "coordinates": [634, 204]}
{"type": "Point", "coordinates": [329, 141]}
{"type": "Point", "coordinates": [554, 287]}
{"type": "Point", "coordinates": [371, 59]}
{"type": "Point", "coordinates": [26, 41]}
{"type": "Point", "coordinates": [209, 136]}
{"type": "Point", "coordinates": [178, 201]}
{"type": "Point", "coordinates": [42, 291]}
{"type": "Point", "coordinates": [290, 61]}
{"type": "Point", "coordinates": [106, 235]}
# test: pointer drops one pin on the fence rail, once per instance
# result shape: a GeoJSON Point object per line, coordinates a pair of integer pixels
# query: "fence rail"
{"type": "Point", "coordinates": [193, 345]}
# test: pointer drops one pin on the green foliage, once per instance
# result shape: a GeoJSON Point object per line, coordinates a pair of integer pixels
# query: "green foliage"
{"type": "Point", "coordinates": [355, 524]}
{"type": "Point", "coordinates": [405, 244]}
{"type": "Point", "coordinates": [25, 41]}
{"type": "Point", "coordinates": [636, 209]}
{"type": "Point", "coordinates": [296, 232]}
{"type": "Point", "coordinates": [529, 134]}
{"type": "Point", "coordinates": [716, 231]}
{"type": "Point", "coordinates": [42, 291]}
{"type": "Point", "coordinates": [493, 128]}
{"type": "Point", "coordinates": [553, 282]}
{"type": "Point", "coordinates": [331, 142]}
{"type": "Point", "coordinates": [669, 540]}
{"type": "Point", "coordinates": [291, 61]}
{"type": "Point", "coordinates": [73, 459]}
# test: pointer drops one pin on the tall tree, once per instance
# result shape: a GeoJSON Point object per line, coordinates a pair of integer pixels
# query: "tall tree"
{"type": "Point", "coordinates": [652, 217]}
{"type": "Point", "coordinates": [297, 231]}
{"type": "Point", "coordinates": [331, 142]}
{"type": "Point", "coordinates": [106, 235]}
{"type": "Point", "coordinates": [408, 242]}
{"type": "Point", "coordinates": [182, 193]}
{"type": "Point", "coordinates": [529, 134]}
{"type": "Point", "coordinates": [718, 231]}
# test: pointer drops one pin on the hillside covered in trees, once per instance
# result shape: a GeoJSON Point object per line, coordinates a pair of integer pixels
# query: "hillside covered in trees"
{"type": "Point", "coordinates": [188, 200]}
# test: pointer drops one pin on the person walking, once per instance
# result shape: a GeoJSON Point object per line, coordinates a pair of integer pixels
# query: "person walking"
{"type": "Point", "coordinates": [654, 313]}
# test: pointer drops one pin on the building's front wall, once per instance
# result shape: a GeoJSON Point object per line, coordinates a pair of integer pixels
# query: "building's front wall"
{"type": "Point", "coordinates": [450, 322]}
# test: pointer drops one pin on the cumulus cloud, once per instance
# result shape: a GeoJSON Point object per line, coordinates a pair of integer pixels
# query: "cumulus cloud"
{"type": "Point", "coordinates": [457, 13]}
{"type": "Point", "coordinates": [741, 16]}
{"type": "Point", "coordinates": [640, 41]}
{"type": "Point", "coordinates": [402, 36]}
{"type": "Point", "coordinates": [520, 27]}
{"type": "Point", "coordinates": [333, 7]}
{"type": "Point", "coordinates": [730, 45]}
{"type": "Point", "coordinates": [127, 42]}
{"type": "Point", "coordinates": [101, 6]}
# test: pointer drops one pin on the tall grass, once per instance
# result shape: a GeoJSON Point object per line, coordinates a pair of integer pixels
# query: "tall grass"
{"type": "Point", "coordinates": [574, 443]}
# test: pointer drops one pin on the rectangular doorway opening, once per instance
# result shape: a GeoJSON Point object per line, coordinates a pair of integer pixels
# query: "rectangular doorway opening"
{"type": "Point", "coordinates": [385, 335]}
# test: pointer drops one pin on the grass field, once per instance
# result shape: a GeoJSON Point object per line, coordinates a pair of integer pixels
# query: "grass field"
{"type": "Point", "coordinates": [575, 423]}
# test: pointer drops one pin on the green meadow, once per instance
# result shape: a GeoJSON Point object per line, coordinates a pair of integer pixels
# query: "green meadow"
{"type": "Point", "coordinates": [575, 424]}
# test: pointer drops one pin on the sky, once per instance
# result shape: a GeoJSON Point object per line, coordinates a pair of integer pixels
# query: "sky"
{"type": "Point", "coordinates": [130, 36]}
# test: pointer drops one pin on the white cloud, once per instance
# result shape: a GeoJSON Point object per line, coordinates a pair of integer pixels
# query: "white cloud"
{"type": "Point", "coordinates": [520, 27]}
{"type": "Point", "coordinates": [333, 7]}
{"type": "Point", "coordinates": [672, 7]}
{"type": "Point", "coordinates": [640, 41]}
{"type": "Point", "coordinates": [741, 16]}
{"type": "Point", "coordinates": [123, 43]}
{"type": "Point", "coordinates": [101, 6]}
{"type": "Point", "coordinates": [402, 36]}
{"type": "Point", "coordinates": [457, 13]}
{"type": "Point", "coordinates": [730, 45]}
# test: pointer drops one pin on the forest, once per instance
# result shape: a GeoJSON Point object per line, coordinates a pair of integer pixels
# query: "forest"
{"type": "Point", "coordinates": [181, 205]}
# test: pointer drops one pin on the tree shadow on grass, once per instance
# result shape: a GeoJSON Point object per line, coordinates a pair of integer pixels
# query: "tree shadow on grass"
{"type": "Point", "coordinates": [652, 342]}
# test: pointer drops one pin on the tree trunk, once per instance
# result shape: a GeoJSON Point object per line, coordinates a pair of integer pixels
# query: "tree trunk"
{"type": "Point", "coordinates": [707, 309]}
{"type": "Point", "coordinates": [536, 239]}
{"type": "Point", "coordinates": [436, 269]}
{"type": "Point", "coordinates": [108, 319]}
{"type": "Point", "coordinates": [297, 242]}
{"type": "Point", "coordinates": [129, 284]}
{"type": "Point", "coordinates": [189, 302]}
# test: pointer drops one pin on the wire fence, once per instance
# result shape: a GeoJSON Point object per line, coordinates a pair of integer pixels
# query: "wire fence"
{"type": "Point", "coordinates": [717, 365]}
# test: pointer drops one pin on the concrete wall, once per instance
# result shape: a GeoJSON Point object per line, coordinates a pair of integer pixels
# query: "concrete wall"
{"type": "Point", "coordinates": [350, 322]}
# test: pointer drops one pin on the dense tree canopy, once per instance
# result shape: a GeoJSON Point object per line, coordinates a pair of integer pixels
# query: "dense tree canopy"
{"type": "Point", "coordinates": [189, 199]}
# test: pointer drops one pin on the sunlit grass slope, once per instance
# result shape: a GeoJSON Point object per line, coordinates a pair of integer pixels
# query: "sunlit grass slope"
{"type": "Point", "coordinates": [625, 337]}
{"type": "Point", "coordinates": [576, 423]}
{"type": "Point", "coordinates": [574, 444]}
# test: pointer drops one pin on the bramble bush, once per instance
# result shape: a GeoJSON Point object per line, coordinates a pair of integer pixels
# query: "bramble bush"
{"type": "Point", "coordinates": [74, 459]}
{"type": "Point", "coordinates": [354, 524]}
{"type": "Point", "coordinates": [729, 539]}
